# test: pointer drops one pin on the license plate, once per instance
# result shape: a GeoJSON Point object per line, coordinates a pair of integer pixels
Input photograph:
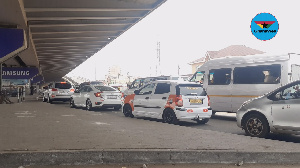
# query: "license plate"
{"type": "Point", "coordinates": [111, 96]}
{"type": "Point", "coordinates": [197, 101]}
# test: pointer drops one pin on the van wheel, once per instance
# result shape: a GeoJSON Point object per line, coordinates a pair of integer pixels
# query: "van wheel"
{"type": "Point", "coordinates": [88, 105]}
{"type": "Point", "coordinates": [256, 126]}
{"type": "Point", "coordinates": [127, 111]}
{"type": "Point", "coordinates": [170, 117]}
{"type": "Point", "coordinates": [202, 121]}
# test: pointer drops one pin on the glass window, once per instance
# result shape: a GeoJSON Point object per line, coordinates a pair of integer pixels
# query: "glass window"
{"type": "Point", "coordinates": [162, 88]}
{"type": "Point", "coordinates": [291, 92]}
{"type": "Point", "coordinates": [198, 77]}
{"type": "Point", "coordinates": [263, 74]}
{"type": "Point", "coordinates": [105, 88]}
{"type": "Point", "coordinates": [190, 89]}
{"type": "Point", "coordinates": [148, 89]}
{"type": "Point", "coordinates": [63, 85]}
{"type": "Point", "coordinates": [219, 76]}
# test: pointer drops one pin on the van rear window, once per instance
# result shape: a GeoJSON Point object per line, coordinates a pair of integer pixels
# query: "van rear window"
{"type": "Point", "coordinates": [190, 89]}
{"type": "Point", "coordinates": [63, 85]}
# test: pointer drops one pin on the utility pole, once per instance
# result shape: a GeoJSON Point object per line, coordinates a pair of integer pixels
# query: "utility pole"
{"type": "Point", "coordinates": [158, 57]}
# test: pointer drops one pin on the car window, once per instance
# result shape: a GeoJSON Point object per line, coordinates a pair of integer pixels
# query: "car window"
{"type": "Point", "coordinates": [291, 92]}
{"type": "Point", "coordinates": [148, 89]}
{"type": "Point", "coordinates": [190, 89]}
{"type": "Point", "coordinates": [105, 88]}
{"type": "Point", "coordinates": [162, 88]}
{"type": "Point", "coordinates": [63, 85]}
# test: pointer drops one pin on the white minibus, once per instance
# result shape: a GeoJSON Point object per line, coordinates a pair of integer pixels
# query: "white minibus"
{"type": "Point", "coordinates": [230, 81]}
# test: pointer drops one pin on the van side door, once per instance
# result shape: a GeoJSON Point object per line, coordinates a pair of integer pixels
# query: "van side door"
{"type": "Point", "coordinates": [141, 100]}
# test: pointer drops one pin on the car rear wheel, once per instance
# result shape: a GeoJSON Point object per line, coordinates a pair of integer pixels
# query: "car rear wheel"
{"type": "Point", "coordinates": [49, 100]}
{"type": "Point", "coordinates": [117, 107]}
{"type": "Point", "coordinates": [127, 111]}
{"type": "Point", "coordinates": [170, 117]}
{"type": "Point", "coordinates": [256, 126]}
{"type": "Point", "coordinates": [72, 104]}
{"type": "Point", "coordinates": [44, 99]}
{"type": "Point", "coordinates": [89, 106]}
{"type": "Point", "coordinates": [202, 121]}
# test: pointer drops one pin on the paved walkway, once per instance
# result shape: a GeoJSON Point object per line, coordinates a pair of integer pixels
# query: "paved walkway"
{"type": "Point", "coordinates": [30, 134]}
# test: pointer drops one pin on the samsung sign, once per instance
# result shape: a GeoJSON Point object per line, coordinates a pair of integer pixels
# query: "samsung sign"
{"type": "Point", "coordinates": [19, 73]}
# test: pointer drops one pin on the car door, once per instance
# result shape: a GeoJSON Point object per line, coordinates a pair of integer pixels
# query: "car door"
{"type": "Point", "coordinates": [77, 96]}
{"type": "Point", "coordinates": [285, 109]}
{"type": "Point", "coordinates": [141, 100]}
{"type": "Point", "coordinates": [159, 99]}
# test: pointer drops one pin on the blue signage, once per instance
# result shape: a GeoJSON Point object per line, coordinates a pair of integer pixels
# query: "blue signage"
{"type": "Point", "coordinates": [37, 79]}
{"type": "Point", "coordinates": [19, 73]}
{"type": "Point", "coordinates": [264, 26]}
{"type": "Point", "coordinates": [12, 41]}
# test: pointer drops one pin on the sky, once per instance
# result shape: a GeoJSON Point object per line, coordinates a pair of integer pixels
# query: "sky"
{"type": "Point", "coordinates": [186, 30]}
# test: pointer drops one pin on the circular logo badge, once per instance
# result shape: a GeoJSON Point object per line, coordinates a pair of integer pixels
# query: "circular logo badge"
{"type": "Point", "coordinates": [264, 26]}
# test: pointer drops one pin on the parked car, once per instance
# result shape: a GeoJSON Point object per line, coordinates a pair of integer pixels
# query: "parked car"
{"type": "Point", "coordinates": [277, 112]}
{"type": "Point", "coordinates": [169, 100]}
{"type": "Point", "coordinates": [96, 96]}
{"type": "Point", "coordinates": [58, 91]}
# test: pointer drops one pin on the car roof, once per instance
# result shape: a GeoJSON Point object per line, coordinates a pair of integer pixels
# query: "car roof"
{"type": "Point", "coordinates": [176, 81]}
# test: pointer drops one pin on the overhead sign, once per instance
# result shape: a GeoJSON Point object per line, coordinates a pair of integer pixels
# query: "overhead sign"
{"type": "Point", "coordinates": [19, 73]}
{"type": "Point", "coordinates": [12, 41]}
{"type": "Point", "coordinates": [37, 79]}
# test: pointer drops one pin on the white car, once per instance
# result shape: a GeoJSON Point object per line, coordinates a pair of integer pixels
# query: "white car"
{"type": "Point", "coordinates": [58, 91]}
{"type": "Point", "coordinates": [277, 112]}
{"type": "Point", "coordinates": [169, 100]}
{"type": "Point", "coordinates": [97, 96]}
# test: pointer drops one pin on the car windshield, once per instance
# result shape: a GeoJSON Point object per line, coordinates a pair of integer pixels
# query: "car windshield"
{"type": "Point", "coordinates": [63, 85]}
{"type": "Point", "coordinates": [190, 89]}
{"type": "Point", "coordinates": [105, 88]}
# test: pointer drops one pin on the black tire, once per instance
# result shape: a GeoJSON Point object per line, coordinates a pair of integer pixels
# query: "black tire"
{"type": "Point", "coordinates": [72, 104]}
{"type": "Point", "coordinates": [202, 121]}
{"type": "Point", "coordinates": [89, 106]}
{"type": "Point", "coordinates": [117, 107]}
{"type": "Point", "coordinates": [49, 100]}
{"type": "Point", "coordinates": [170, 117]}
{"type": "Point", "coordinates": [256, 126]}
{"type": "Point", "coordinates": [44, 99]}
{"type": "Point", "coordinates": [127, 111]}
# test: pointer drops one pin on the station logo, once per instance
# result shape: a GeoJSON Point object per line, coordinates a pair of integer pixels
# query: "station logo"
{"type": "Point", "coordinates": [264, 26]}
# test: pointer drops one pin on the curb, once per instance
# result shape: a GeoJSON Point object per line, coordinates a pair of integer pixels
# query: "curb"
{"type": "Point", "coordinates": [144, 157]}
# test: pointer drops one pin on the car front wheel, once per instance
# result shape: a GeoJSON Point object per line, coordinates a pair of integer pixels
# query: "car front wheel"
{"type": "Point", "coordinates": [256, 126]}
{"type": "Point", "coordinates": [127, 111]}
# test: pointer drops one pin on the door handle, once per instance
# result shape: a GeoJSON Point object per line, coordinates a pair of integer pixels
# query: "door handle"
{"type": "Point", "coordinates": [164, 98]}
{"type": "Point", "coordinates": [147, 98]}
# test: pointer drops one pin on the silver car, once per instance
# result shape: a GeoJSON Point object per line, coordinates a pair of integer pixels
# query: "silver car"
{"type": "Point", "coordinates": [277, 112]}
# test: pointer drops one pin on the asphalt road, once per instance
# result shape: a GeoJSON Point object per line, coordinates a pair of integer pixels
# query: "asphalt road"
{"type": "Point", "coordinates": [221, 122]}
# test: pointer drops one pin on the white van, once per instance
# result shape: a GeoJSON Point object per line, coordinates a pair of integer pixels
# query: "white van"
{"type": "Point", "coordinates": [230, 81]}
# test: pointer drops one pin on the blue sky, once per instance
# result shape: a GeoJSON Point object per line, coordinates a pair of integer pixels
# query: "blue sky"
{"type": "Point", "coordinates": [186, 29]}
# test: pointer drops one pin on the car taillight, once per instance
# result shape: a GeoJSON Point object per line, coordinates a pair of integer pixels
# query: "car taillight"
{"type": "Point", "coordinates": [54, 89]}
{"type": "Point", "coordinates": [179, 101]}
{"type": "Point", "coordinates": [98, 94]}
{"type": "Point", "coordinates": [72, 90]}
{"type": "Point", "coordinates": [208, 100]}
